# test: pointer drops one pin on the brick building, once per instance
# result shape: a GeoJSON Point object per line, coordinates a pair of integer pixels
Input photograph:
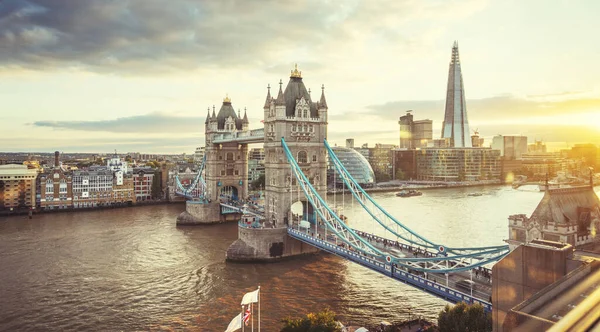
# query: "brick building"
{"type": "Point", "coordinates": [17, 187]}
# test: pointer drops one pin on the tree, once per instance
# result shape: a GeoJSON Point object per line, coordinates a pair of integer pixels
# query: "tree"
{"type": "Point", "coordinates": [258, 183]}
{"type": "Point", "coordinates": [323, 321]}
{"type": "Point", "coordinates": [156, 190]}
{"type": "Point", "coordinates": [381, 177]}
{"type": "Point", "coordinates": [463, 317]}
{"type": "Point", "coordinates": [400, 175]}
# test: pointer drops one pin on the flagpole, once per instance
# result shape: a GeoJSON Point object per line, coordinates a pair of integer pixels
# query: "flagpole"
{"type": "Point", "coordinates": [243, 318]}
{"type": "Point", "coordinates": [252, 316]}
{"type": "Point", "coordinates": [258, 308]}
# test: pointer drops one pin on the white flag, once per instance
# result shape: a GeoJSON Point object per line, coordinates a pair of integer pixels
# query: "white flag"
{"type": "Point", "coordinates": [251, 297]}
{"type": "Point", "coordinates": [235, 324]}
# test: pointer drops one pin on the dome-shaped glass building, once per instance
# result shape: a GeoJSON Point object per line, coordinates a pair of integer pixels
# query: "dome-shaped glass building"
{"type": "Point", "coordinates": [355, 163]}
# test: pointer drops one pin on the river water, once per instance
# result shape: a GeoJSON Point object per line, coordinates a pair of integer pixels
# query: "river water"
{"type": "Point", "coordinates": [132, 269]}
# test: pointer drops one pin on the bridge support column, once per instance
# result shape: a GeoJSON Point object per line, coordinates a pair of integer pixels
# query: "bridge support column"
{"type": "Point", "coordinates": [197, 213]}
{"type": "Point", "coordinates": [265, 244]}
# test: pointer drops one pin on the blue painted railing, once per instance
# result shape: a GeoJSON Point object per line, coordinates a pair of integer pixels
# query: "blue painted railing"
{"type": "Point", "coordinates": [388, 269]}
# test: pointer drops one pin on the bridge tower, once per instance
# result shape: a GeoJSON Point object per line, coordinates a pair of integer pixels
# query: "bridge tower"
{"type": "Point", "coordinates": [293, 115]}
{"type": "Point", "coordinates": [226, 163]}
{"type": "Point", "coordinates": [303, 123]}
{"type": "Point", "coordinates": [226, 168]}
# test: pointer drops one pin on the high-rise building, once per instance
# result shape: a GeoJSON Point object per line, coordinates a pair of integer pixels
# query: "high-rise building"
{"type": "Point", "coordinates": [414, 134]}
{"type": "Point", "coordinates": [511, 147]}
{"type": "Point", "coordinates": [458, 164]}
{"type": "Point", "coordinates": [456, 124]}
{"type": "Point", "coordinates": [256, 164]}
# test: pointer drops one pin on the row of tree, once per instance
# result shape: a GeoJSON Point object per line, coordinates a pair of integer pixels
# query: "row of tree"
{"type": "Point", "coordinates": [458, 318]}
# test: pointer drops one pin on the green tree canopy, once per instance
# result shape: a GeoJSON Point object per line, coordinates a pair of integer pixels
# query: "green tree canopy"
{"type": "Point", "coordinates": [464, 318]}
{"type": "Point", "coordinates": [258, 183]}
{"type": "Point", "coordinates": [323, 321]}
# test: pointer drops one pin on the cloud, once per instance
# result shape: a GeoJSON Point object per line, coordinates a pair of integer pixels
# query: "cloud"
{"type": "Point", "coordinates": [506, 108]}
{"type": "Point", "coordinates": [107, 145]}
{"type": "Point", "coordinates": [150, 36]}
{"type": "Point", "coordinates": [147, 123]}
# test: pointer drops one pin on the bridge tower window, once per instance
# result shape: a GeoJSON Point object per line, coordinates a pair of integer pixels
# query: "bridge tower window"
{"type": "Point", "coordinates": [229, 155]}
{"type": "Point", "coordinates": [302, 157]}
{"type": "Point", "coordinates": [314, 157]}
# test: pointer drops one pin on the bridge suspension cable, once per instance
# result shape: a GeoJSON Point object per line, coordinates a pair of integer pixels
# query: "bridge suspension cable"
{"type": "Point", "coordinates": [331, 219]}
{"type": "Point", "coordinates": [390, 223]}
{"type": "Point", "coordinates": [431, 263]}
{"type": "Point", "coordinates": [198, 181]}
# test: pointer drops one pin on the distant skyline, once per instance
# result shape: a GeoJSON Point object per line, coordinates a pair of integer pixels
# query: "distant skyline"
{"type": "Point", "coordinates": [139, 75]}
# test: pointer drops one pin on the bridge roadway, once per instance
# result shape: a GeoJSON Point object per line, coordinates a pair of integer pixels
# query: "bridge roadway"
{"type": "Point", "coordinates": [437, 284]}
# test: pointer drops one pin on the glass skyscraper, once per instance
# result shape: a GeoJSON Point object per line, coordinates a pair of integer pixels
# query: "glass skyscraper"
{"type": "Point", "coordinates": [456, 124]}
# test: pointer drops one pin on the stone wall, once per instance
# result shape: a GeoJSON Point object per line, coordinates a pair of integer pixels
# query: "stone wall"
{"type": "Point", "coordinates": [203, 214]}
{"type": "Point", "coordinates": [522, 273]}
{"type": "Point", "coordinates": [266, 244]}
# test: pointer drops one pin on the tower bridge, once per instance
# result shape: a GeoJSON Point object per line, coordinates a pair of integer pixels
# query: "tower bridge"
{"type": "Point", "coordinates": [294, 135]}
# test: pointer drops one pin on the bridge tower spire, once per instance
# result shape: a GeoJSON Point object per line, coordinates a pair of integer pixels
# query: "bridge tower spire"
{"type": "Point", "coordinates": [303, 124]}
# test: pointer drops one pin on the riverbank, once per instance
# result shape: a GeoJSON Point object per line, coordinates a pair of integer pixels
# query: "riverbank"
{"type": "Point", "coordinates": [396, 186]}
{"type": "Point", "coordinates": [97, 208]}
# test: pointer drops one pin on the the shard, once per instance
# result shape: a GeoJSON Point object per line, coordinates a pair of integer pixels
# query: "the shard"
{"type": "Point", "coordinates": [456, 124]}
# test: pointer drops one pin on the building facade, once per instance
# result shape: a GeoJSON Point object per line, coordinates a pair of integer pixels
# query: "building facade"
{"type": "Point", "coordinates": [380, 158]}
{"type": "Point", "coordinates": [227, 163]}
{"type": "Point", "coordinates": [143, 179]}
{"type": "Point", "coordinates": [303, 124]}
{"type": "Point", "coordinates": [92, 188]}
{"type": "Point", "coordinates": [356, 164]}
{"type": "Point", "coordinates": [55, 187]}
{"type": "Point", "coordinates": [568, 215]}
{"type": "Point", "coordinates": [256, 164]}
{"type": "Point", "coordinates": [414, 134]}
{"type": "Point", "coordinates": [456, 125]}
{"type": "Point", "coordinates": [458, 164]}
{"type": "Point", "coordinates": [510, 147]}
{"type": "Point", "coordinates": [55, 190]}
{"type": "Point", "coordinates": [404, 164]}
{"type": "Point", "coordinates": [17, 187]}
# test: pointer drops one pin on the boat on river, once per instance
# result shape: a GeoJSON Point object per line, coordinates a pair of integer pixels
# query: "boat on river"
{"type": "Point", "coordinates": [409, 193]}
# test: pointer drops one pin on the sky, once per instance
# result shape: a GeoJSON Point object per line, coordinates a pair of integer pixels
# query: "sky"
{"type": "Point", "coordinates": [139, 75]}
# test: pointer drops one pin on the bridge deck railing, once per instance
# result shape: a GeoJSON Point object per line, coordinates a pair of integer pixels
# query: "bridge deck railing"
{"type": "Point", "coordinates": [392, 271]}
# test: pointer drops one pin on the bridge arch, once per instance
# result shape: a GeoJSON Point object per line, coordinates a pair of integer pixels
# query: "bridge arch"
{"type": "Point", "coordinates": [229, 193]}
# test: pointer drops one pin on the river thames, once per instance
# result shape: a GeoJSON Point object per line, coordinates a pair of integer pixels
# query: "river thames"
{"type": "Point", "coordinates": [132, 269]}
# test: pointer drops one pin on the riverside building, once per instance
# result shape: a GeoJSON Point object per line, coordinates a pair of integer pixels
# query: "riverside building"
{"type": "Point", "coordinates": [55, 187]}
{"type": "Point", "coordinates": [457, 164]}
{"type": "Point", "coordinates": [17, 187]}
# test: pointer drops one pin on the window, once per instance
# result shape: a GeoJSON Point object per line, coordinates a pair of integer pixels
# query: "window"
{"type": "Point", "coordinates": [302, 157]}
{"type": "Point", "coordinates": [229, 155]}
{"type": "Point", "coordinates": [314, 157]}
{"type": "Point", "coordinates": [305, 113]}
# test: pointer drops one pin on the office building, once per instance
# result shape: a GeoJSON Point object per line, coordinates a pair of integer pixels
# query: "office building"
{"type": "Point", "coordinates": [414, 134]}
{"type": "Point", "coordinates": [456, 125]}
{"type": "Point", "coordinates": [256, 164]}
{"type": "Point", "coordinates": [510, 147]}
{"type": "Point", "coordinates": [355, 163]}
{"type": "Point", "coordinates": [458, 164]}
